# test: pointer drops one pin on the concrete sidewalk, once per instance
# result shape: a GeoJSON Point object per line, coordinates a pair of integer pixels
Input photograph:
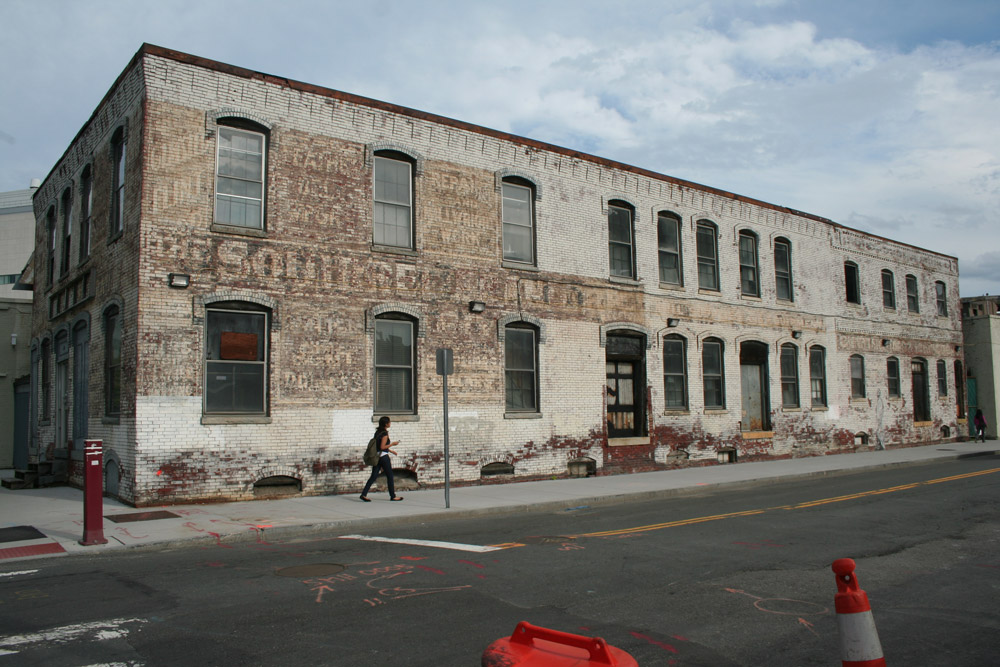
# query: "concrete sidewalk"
{"type": "Point", "coordinates": [49, 521]}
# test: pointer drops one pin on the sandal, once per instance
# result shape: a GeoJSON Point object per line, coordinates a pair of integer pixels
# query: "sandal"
{"type": "Point", "coordinates": [365, 499]}
{"type": "Point", "coordinates": [396, 498]}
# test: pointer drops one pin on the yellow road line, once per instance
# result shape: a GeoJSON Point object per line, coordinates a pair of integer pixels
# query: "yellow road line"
{"type": "Point", "coordinates": [802, 505]}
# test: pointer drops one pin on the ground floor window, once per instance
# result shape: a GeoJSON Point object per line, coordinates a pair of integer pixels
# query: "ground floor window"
{"type": "Point", "coordinates": [236, 364]}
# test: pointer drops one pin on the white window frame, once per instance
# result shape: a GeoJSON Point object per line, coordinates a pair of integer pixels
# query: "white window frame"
{"type": "Point", "coordinates": [259, 223]}
{"type": "Point", "coordinates": [508, 222]}
{"type": "Point", "coordinates": [376, 202]}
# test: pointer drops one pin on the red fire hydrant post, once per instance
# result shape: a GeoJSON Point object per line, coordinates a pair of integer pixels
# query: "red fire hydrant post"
{"type": "Point", "coordinates": [859, 644]}
{"type": "Point", "coordinates": [93, 493]}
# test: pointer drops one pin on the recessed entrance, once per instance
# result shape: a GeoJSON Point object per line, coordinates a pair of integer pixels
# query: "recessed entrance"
{"type": "Point", "coordinates": [756, 405]}
{"type": "Point", "coordinates": [626, 378]}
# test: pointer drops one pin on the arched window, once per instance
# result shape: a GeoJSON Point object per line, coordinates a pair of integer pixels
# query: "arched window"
{"type": "Point", "coordinates": [708, 256]}
{"type": "Point", "coordinates": [960, 389]}
{"type": "Point", "coordinates": [393, 195]}
{"type": "Point", "coordinates": [518, 220]}
{"type": "Point", "coordinates": [912, 294]}
{"type": "Point", "coordinates": [112, 361]}
{"type": "Point", "coordinates": [783, 269]}
{"type": "Point", "coordinates": [789, 376]}
{"type": "Point", "coordinates": [941, 292]}
{"type": "Point", "coordinates": [942, 378]}
{"type": "Point", "coordinates": [117, 219]}
{"type": "Point", "coordinates": [713, 373]}
{"type": "Point", "coordinates": [817, 375]}
{"type": "Point", "coordinates": [892, 376]}
{"type": "Point", "coordinates": [86, 208]}
{"type": "Point", "coordinates": [857, 376]}
{"type": "Point", "coordinates": [921, 391]}
{"type": "Point", "coordinates": [621, 239]}
{"type": "Point", "coordinates": [888, 289]}
{"type": "Point", "coordinates": [50, 230]}
{"type": "Point", "coordinates": [668, 232]}
{"type": "Point", "coordinates": [240, 181]}
{"type": "Point", "coordinates": [675, 372]}
{"type": "Point", "coordinates": [852, 282]}
{"type": "Point", "coordinates": [395, 367]}
{"type": "Point", "coordinates": [237, 347]}
{"type": "Point", "coordinates": [749, 274]}
{"type": "Point", "coordinates": [521, 367]}
{"type": "Point", "coordinates": [67, 230]}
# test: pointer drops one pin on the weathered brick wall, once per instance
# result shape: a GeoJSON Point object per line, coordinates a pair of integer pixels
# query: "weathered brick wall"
{"type": "Point", "coordinates": [317, 270]}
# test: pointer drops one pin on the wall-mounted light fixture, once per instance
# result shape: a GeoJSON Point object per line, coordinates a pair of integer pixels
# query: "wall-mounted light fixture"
{"type": "Point", "coordinates": [796, 334]}
{"type": "Point", "coordinates": [13, 339]}
{"type": "Point", "coordinates": [885, 342]}
{"type": "Point", "coordinates": [958, 348]}
{"type": "Point", "coordinates": [476, 306]}
{"type": "Point", "coordinates": [179, 280]}
{"type": "Point", "coordinates": [672, 322]}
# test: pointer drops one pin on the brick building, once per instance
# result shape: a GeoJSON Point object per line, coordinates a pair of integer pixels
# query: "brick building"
{"type": "Point", "coordinates": [981, 331]}
{"type": "Point", "coordinates": [259, 268]}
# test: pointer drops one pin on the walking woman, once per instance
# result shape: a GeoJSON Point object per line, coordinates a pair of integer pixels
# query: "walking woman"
{"type": "Point", "coordinates": [980, 423]}
{"type": "Point", "coordinates": [384, 462]}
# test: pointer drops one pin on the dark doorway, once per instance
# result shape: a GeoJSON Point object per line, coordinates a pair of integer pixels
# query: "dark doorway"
{"type": "Point", "coordinates": [626, 376]}
{"type": "Point", "coordinates": [756, 401]}
{"type": "Point", "coordinates": [921, 397]}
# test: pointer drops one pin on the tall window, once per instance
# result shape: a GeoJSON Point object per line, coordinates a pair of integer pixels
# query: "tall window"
{"type": "Point", "coordinates": [892, 376]}
{"type": "Point", "coordinates": [857, 376]}
{"type": "Point", "coordinates": [783, 269]}
{"type": "Point", "coordinates": [86, 205]}
{"type": "Point", "coordinates": [521, 369]}
{"type": "Point", "coordinates": [668, 232]}
{"type": "Point", "coordinates": [789, 376]}
{"type": "Point", "coordinates": [239, 182]}
{"type": "Point", "coordinates": [817, 376]}
{"type": "Point", "coordinates": [942, 298]}
{"type": "Point", "coordinates": [50, 229]}
{"type": "Point", "coordinates": [942, 377]}
{"type": "Point", "coordinates": [921, 391]}
{"type": "Point", "coordinates": [708, 256]}
{"type": "Point", "coordinates": [112, 362]}
{"type": "Point", "coordinates": [852, 281]}
{"type": "Point", "coordinates": [393, 201]}
{"type": "Point", "coordinates": [713, 373]}
{"type": "Point", "coordinates": [518, 223]}
{"type": "Point", "coordinates": [46, 379]}
{"type": "Point", "coordinates": [67, 229]}
{"type": "Point", "coordinates": [395, 377]}
{"type": "Point", "coordinates": [675, 372]}
{"type": "Point", "coordinates": [912, 295]}
{"type": "Point", "coordinates": [118, 182]}
{"type": "Point", "coordinates": [621, 241]}
{"type": "Point", "coordinates": [960, 389]}
{"type": "Point", "coordinates": [749, 283]}
{"type": "Point", "coordinates": [888, 289]}
{"type": "Point", "coordinates": [236, 359]}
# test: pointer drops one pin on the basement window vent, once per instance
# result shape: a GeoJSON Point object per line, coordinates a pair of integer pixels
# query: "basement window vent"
{"type": "Point", "coordinates": [860, 439]}
{"type": "Point", "coordinates": [277, 486]}
{"type": "Point", "coordinates": [727, 456]}
{"type": "Point", "coordinates": [495, 469]}
{"type": "Point", "coordinates": [945, 432]}
{"type": "Point", "coordinates": [582, 467]}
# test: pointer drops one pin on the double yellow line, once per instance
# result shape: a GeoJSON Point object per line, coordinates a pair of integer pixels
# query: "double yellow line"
{"type": "Point", "coordinates": [803, 505]}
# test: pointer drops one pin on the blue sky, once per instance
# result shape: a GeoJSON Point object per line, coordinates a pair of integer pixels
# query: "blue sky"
{"type": "Point", "coordinates": [880, 115]}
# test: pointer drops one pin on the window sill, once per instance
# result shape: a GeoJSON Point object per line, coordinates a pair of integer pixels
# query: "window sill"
{"type": "Point", "coordinates": [890, 309]}
{"type": "Point", "coordinates": [922, 424]}
{"type": "Point", "coordinates": [395, 418]}
{"type": "Point", "coordinates": [750, 297]}
{"type": "Point", "coordinates": [672, 286]}
{"type": "Point", "coordinates": [110, 420]}
{"type": "Point", "coordinates": [962, 420]}
{"type": "Point", "coordinates": [238, 231]}
{"type": "Point", "coordinates": [791, 408]}
{"type": "Point", "coordinates": [393, 250]}
{"type": "Point", "coordinates": [627, 442]}
{"type": "Point", "coordinates": [858, 400]}
{"type": "Point", "coordinates": [895, 399]}
{"type": "Point", "coordinates": [819, 408]}
{"type": "Point", "coordinates": [757, 435]}
{"type": "Point", "coordinates": [716, 411]}
{"type": "Point", "coordinates": [621, 280]}
{"type": "Point", "coordinates": [508, 264]}
{"type": "Point", "coordinates": [676, 412]}
{"type": "Point", "coordinates": [784, 302]}
{"type": "Point", "coordinates": [522, 415]}
{"type": "Point", "coordinates": [222, 420]}
{"type": "Point", "coordinates": [853, 304]}
{"type": "Point", "coordinates": [709, 292]}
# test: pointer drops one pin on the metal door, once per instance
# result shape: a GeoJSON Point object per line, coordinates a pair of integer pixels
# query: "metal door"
{"type": "Point", "coordinates": [751, 376]}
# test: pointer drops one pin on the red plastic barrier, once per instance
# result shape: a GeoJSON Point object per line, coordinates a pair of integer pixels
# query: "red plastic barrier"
{"type": "Point", "coordinates": [531, 645]}
{"type": "Point", "coordinates": [859, 644]}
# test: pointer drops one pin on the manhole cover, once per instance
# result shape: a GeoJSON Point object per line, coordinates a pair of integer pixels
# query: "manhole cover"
{"type": "Point", "coordinates": [142, 516]}
{"type": "Point", "coordinates": [310, 571]}
{"type": "Point", "coordinates": [546, 539]}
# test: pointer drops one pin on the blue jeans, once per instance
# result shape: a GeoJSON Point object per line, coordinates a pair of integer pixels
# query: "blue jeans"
{"type": "Point", "coordinates": [383, 465]}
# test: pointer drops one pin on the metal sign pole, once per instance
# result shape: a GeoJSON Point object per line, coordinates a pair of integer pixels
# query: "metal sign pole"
{"type": "Point", "coordinates": [446, 366]}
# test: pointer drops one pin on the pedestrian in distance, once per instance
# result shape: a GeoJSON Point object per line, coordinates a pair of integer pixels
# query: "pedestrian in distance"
{"type": "Point", "coordinates": [384, 462]}
{"type": "Point", "coordinates": [980, 423]}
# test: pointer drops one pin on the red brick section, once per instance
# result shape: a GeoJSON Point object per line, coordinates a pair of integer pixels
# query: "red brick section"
{"type": "Point", "coordinates": [33, 550]}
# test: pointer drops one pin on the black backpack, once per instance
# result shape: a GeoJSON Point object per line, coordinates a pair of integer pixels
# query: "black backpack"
{"type": "Point", "coordinates": [371, 453]}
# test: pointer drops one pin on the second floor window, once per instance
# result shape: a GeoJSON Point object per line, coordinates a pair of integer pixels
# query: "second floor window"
{"type": "Point", "coordinates": [708, 256]}
{"type": "Point", "coordinates": [518, 223]}
{"type": "Point", "coordinates": [393, 202]}
{"type": "Point", "coordinates": [888, 289]}
{"type": "Point", "coordinates": [239, 185]}
{"type": "Point", "coordinates": [118, 182]}
{"type": "Point", "coordinates": [86, 206]}
{"type": "Point", "coordinates": [621, 242]}
{"type": "Point", "coordinates": [912, 295]}
{"type": "Point", "coordinates": [941, 293]}
{"type": "Point", "coordinates": [852, 281]}
{"type": "Point", "coordinates": [749, 284]}
{"type": "Point", "coordinates": [783, 269]}
{"type": "Point", "coordinates": [50, 229]}
{"type": "Point", "coordinates": [668, 232]}
{"type": "Point", "coordinates": [67, 230]}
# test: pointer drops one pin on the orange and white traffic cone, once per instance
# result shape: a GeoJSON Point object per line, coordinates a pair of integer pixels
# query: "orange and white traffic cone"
{"type": "Point", "coordinates": [859, 644]}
